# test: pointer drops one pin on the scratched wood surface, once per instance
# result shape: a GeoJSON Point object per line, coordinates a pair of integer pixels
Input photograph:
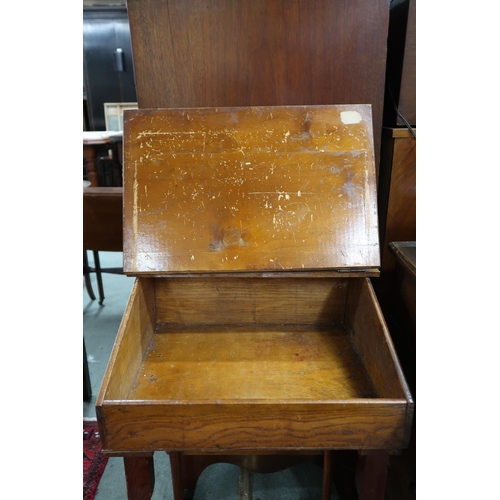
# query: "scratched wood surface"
{"type": "Point", "coordinates": [249, 189]}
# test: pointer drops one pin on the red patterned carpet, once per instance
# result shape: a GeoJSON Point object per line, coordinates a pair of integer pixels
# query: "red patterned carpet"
{"type": "Point", "coordinates": [94, 461]}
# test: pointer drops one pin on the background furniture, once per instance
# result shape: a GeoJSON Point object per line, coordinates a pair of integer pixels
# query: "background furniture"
{"type": "Point", "coordinates": [190, 53]}
{"type": "Point", "coordinates": [113, 114]}
{"type": "Point", "coordinates": [102, 158]}
{"type": "Point", "coordinates": [401, 318]}
{"type": "Point", "coordinates": [107, 61]}
{"type": "Point", "coordinates": [397, 211]}
{"type": "Point", "coordinates": [396, 201]}
{"type": "Point", "coordinates": [400, 102]}
{"type": "Point", "coordinates": [102, 231]}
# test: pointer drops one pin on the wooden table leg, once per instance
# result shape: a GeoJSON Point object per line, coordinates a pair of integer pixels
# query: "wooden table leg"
{"type": "Point", "coordinates": [140, 477]}
{"type": "Point", "coordinates": [371, 474]}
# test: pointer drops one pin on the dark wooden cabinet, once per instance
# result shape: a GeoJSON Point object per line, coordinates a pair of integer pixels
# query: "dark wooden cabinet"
{"type": "Point", "coordinates": [190, 53]}
{"type": "Point", "coordinates": [401, 65]}
{"type": "Point", "coordinates": [396, 200]}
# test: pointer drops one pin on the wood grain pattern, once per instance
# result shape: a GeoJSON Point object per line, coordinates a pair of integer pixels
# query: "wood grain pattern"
{"type": "Point", "coordinates": [252, 387]}
{"type": "Point", "coordinates": [354, 424]}
{"type": "Point", "coordinates": [251, 301]}
{"type": "Point", "coordinates": [133, 338]}
{"type": "Point", "coordinates": [373, 343]}
{"type": "Point", "coordinates": [230, 364]}
{"type": "Point", "coordinates": [190, 53]}
{"type": "Point", "coordinates": [256, 188]}
{"type": "Point", "coordinates": [370, 337]}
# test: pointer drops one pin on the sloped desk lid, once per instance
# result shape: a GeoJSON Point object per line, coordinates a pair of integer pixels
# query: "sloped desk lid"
{"type": "Point", "coordinates": [249, 189]}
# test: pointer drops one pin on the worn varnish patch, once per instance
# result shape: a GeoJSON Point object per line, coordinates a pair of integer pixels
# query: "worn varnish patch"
{"type": "Point", "coordinates": [253, 188]}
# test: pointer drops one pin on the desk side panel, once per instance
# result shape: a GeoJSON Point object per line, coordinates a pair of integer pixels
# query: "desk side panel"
{"type": "Point", "coordinates": [372, 341]}
{"type": "Point", "coordinates": [133, 338]}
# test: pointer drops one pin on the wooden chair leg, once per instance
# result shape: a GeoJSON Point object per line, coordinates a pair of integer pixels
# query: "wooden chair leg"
{"type": "Point", "coordinates": [371, 475]}
{"type": "Point", "coordinates": [87, 386]}
{"type": "Point", "coordinates": [86, 274]}
{"type": "Point", "coordinates": [98, 276]}
{"type": "Point", "coordinates": [140, 477]}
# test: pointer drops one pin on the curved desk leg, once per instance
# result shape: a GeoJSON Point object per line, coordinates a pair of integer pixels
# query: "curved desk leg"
{"type": "Point", "coordinates": [98, 276]}
{"type": "Point", "coordinates": [371, 474]}
{"type": "Point", "coordinates": [140, 477]}
{"type": "Point", "coordinates": [86, 274]}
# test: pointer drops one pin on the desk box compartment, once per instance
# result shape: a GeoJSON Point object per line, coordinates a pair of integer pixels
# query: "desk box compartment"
{"type": "Point", "coordinates": [252, 324]}
{"type": "Point", "coordinates": [253, 363]}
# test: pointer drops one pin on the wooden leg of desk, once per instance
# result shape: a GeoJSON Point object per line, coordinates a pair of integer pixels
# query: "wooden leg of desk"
{"type": "Point", "coordinates": [140, 477]}
{"type": "Point", "coordinates": [175, 467]}
{"type": "Point", "coordinates": [371, 475]}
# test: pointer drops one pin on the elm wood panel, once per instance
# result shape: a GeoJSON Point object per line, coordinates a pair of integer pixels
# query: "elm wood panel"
{"type": "Point", "coordinates": [190, 53]}
{"type": "Point", "coordinates": [372, 341]}
{"type": "Point", "coordinates": [251, 300]}
{"type": "Point", "coordinates": [103, 219]}
{"type": "Point", "coordinates": [249, 189]}
{"type": "Point", "coordinates": [356, 424]}
{"type": "Point", "coordinates": [228, 364]}
{"type": "Point", "coordinates": [132, 341]}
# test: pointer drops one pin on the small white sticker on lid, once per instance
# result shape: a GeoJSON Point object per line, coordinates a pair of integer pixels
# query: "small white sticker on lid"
{"type": "Point", "coordinates": [350, 117]}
